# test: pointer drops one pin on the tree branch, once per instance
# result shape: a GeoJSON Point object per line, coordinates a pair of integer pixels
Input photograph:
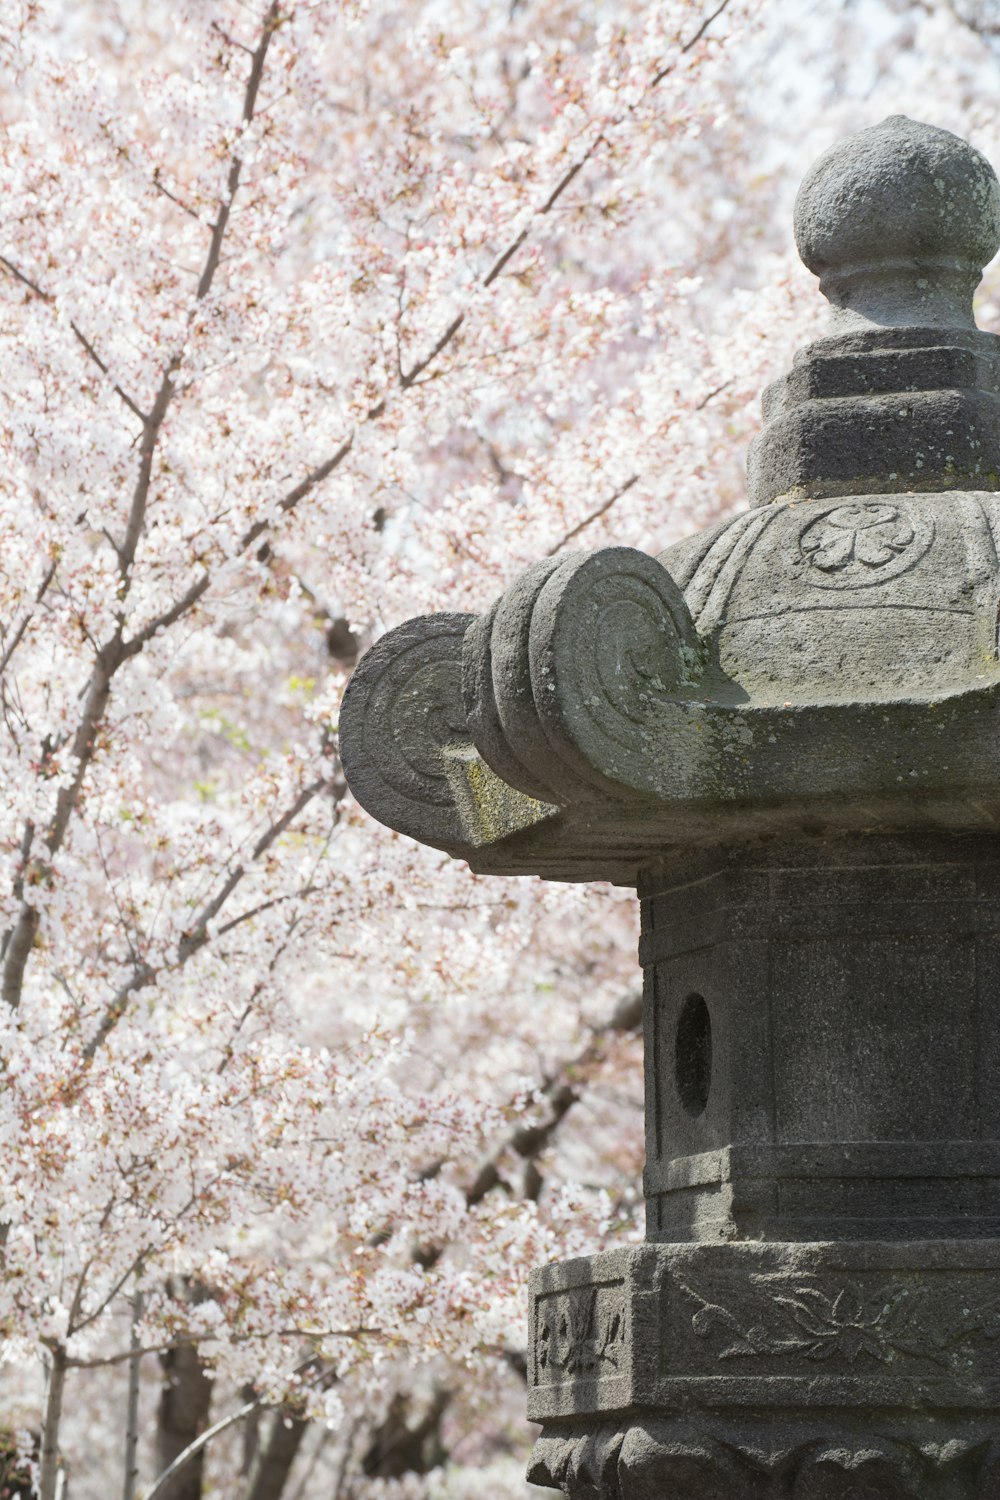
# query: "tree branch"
{"type": "Point", "coordinates": [169, 617]}
{"type": "Point", "coordinates": [272, 21]}
{"type": "Point", "coordinates": [691, 43]}
{"type": "Point", "coordinates": [191, 1451]}
{"type": "Point", "coordinates": [623, 489]}
{"type": "Point", "coordinates": [161, 188]}
{"type": "Point", "coordinates": [144, 974]}
{"type": "Point", "coordinates": [595, 515]}
{"type": "Point", "coordinates": [979, 26]}
{"type": "Point", "coordinates": [113, 653]}
{"type": "Point", "coordinates": [80, 336]}
{"type": "Point", "coordinates": [26, 619]}
{"type": "Point", "coordinates": [560, 1094]}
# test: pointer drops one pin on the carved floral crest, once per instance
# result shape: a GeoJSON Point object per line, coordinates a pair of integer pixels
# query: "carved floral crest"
{"type": "Point", "coordinates": [581, 1334]}
{"type": "Point", "coordinates": [866, 542]}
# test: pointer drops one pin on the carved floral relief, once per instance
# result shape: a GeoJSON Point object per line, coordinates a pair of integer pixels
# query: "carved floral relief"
{"type": "Point", "coordinates": [580, 1334]}
{"type": "Point", "coordinates": [866, 542]}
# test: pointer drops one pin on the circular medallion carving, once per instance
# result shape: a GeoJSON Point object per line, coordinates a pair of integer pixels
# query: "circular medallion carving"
{"type": "Point", "coordinates": [402, 708]}
{"type": "Point", "coordinates": [611, 641]}
{"type": "Point", "coordinates": [867, 542]}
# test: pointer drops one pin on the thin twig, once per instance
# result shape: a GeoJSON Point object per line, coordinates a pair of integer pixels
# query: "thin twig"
{"type": "Point", "coordinates": [595, 515]}
{"type": "Point", "coordinates": [623, 489]}
{"type": "Point", "coordinates": [195, 937]}
{"type": "Point", "coordinates": [193, 1449]}
{"type": "Point", "coordinates": [26, 619]}
{"type": "Point", "coordinates": [691, 42]}
{"type": "Point", "coordinates": [44, 296]}
{"type": "Point", "coordinates": [162, 188]}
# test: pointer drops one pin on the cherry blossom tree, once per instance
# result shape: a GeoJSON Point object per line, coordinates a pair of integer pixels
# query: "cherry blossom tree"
{"type": "Point", "coordinates": [317, 314]}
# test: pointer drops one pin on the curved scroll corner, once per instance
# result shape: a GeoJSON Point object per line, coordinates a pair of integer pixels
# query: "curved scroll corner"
{"type": "Point", "coordinates": [481, 709]}
{"type": "Point", "coordinates": [658, 1460]}
{"type": "Point", "coordinates": [499, 703]}
{"type": "Point", "coordinates": [583, 1466]}
{"type": "Point", "coordinates": [842, 1471]}
{"type": "Point", "coordinates": [613, 648]}
{"type": "Point", "coordinates": [549, 1461]}
{"type": "Point", "coordinates": [401, 714]}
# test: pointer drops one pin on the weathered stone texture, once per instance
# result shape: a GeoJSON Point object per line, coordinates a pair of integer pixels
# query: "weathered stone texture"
{"type": "Point", "coordinates": [784, 732]}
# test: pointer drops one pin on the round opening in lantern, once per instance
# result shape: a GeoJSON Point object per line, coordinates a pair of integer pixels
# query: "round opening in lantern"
{"type": "Point", "coordinates": [693, 1057]}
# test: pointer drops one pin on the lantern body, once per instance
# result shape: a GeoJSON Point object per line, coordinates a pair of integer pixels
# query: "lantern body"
{"type": "Point", "coordinates": [785, 734]}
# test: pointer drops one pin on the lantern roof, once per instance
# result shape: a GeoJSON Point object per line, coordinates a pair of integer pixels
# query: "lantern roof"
{"type": "Point", "coordinates": [826, 660]}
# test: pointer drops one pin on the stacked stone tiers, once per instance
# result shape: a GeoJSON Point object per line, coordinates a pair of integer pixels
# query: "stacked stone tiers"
{"type": "Point", "coordinates": [817, 1311]}
{"type": "Point", "coordinates": [785, 733]}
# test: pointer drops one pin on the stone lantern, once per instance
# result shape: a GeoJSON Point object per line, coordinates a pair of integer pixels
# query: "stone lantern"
{"type": "Point", "coordinates": [785, 733]}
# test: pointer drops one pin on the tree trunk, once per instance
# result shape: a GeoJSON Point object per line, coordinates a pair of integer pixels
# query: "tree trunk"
{"type": "Point", "coordinates": [251, 1433]}
{"type": "Point", "coordinates": [397, 1449]}
{"type": "Point", "coordinates": [132, 1418]}
{"type": "Point", "coordinates": [274, 1457]}
{"type": "Point", "coordinates": [49, 1464]}
{"type": "Point", "coordinates": [184, 1405]}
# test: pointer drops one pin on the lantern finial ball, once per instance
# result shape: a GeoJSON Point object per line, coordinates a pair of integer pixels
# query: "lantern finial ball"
{"type": "Point", "coordinates": [898, 222]}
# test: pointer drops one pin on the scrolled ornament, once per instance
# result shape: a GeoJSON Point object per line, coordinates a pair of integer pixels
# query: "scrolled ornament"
{"type": "Point", "coordinates": [656, 1462]}
{"type": "Point", "coordinates": [402, 709]}
{"type": "Point", "coordinates": [755, 1458]}
{"type": "Point", "coordinates": [611, 642]}
{"type": "Point", "coordinates": [853, 1470]}
{"type": "Point", "coordinates": [583, 1467]}
{"type": "Point", "coordinates": [499, 703]}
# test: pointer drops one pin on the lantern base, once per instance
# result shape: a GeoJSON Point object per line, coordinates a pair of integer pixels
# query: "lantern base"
{"type": "Point", "coordinates": [753, 1371]}
{"type": "Point", "coordinates": [652, 1458]}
